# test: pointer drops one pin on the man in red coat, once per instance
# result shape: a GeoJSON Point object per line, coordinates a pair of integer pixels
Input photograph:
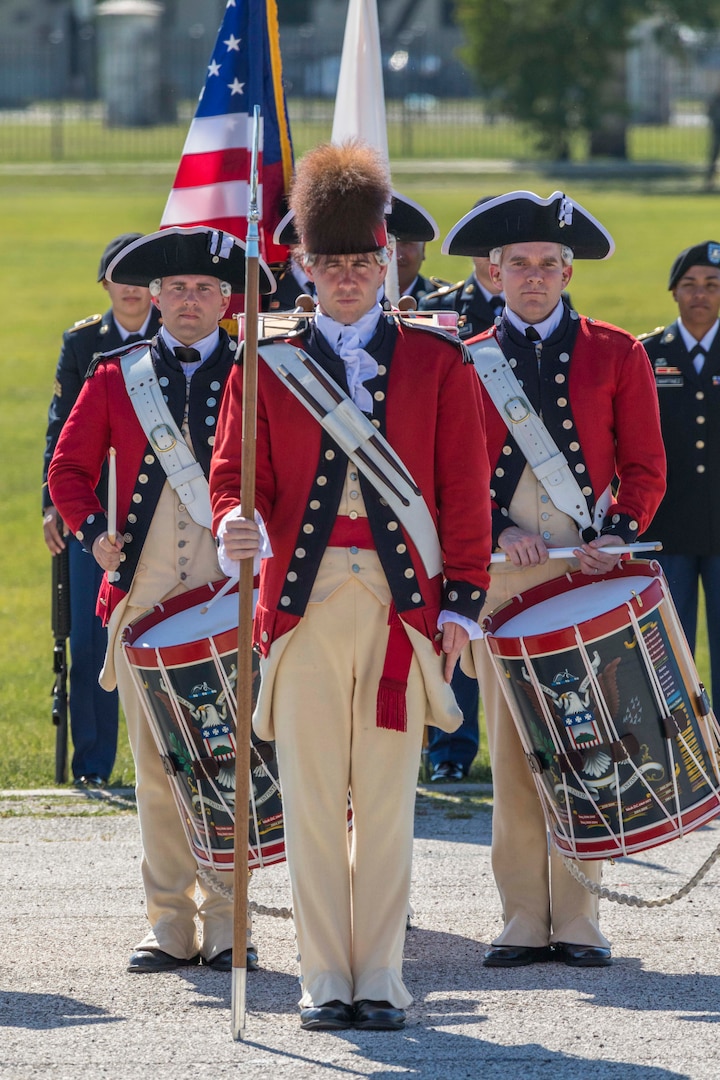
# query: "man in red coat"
{"type": "Point", "coordinates": [359, 632]}
{"type": "Point", "coordinates": [593, 387]}
{"type": "Point", "coordinates": [164, 546]}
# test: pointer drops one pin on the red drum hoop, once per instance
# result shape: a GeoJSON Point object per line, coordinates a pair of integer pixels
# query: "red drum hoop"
{"type": "Point", "coordinates": [183, 658]}
{"type": "Point", "coordinates": [615, 723]}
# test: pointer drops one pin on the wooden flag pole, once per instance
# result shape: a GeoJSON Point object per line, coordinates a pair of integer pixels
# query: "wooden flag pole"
{"type": "Point", "coordinates": [245, 606]}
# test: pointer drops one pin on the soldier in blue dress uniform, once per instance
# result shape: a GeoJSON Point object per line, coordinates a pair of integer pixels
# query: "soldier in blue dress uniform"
{"type": "Point", "coordinates": [686, 362]}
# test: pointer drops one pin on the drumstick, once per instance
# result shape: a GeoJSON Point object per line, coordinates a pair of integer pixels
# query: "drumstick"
{"type": "Point", "coordinates": [567, 552]}
{"type": "Point", "coordinates": [221, 592]}
{"type": "Point", "coordinates": [112, 495]}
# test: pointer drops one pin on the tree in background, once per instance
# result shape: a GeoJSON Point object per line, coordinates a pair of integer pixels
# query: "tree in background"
{"type": "Point", "coordinates": [559, 65]}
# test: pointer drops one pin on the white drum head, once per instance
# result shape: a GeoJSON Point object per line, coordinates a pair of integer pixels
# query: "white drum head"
{"type": "Point", "coordinates": [572, 607]}
{"type": "Point", "coordinates": [191, 625]}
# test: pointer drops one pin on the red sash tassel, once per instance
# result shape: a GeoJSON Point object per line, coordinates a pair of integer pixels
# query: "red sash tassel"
{"type": "Point", "coordinates": [391, 710]}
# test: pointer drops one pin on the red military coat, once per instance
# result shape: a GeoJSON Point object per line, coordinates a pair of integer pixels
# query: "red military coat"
{"type": "Point", "coordinates": [595, 391]}
{"type": "Point", "coordinates": [428, 404]}
{"type": "Point", "coordinates": [103, 416]}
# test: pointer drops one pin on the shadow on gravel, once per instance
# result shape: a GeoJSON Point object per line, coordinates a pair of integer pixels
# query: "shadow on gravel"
{"type": "Point", "coordinates": [274, 993]}
{"type": "Point", "coordinates": [420, 1052]}
{"type": "Point", "coordinates": [628, 985]}
{"type": "Point", "coordinates": [38, 1012]}
{"type": "Point", "coordinates": [442, 963]}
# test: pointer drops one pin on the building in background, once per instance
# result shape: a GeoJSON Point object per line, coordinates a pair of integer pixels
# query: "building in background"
{"type": "Point", "coordinates": [52, 49]}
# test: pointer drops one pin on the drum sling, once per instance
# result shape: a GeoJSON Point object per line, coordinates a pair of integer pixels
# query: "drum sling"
{"type": "Point", "coordinates": [546, 460]}
{"type": "Point", "coordinates": [182, 469]}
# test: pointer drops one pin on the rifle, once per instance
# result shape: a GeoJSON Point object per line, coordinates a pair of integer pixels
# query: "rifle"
{"type": "Point", "coordinates": [60, 621]}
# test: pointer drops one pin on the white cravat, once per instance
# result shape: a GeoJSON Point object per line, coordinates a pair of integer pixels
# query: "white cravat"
{"type": "Point", "coordinates": [349, 343]}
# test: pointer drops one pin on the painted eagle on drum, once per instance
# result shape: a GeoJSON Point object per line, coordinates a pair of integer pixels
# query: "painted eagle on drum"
{"type": "Point", "coordinates": [573, 704]}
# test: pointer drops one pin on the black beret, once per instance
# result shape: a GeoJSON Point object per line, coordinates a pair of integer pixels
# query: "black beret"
{"type": "Point", "coordinates": [705, 254]}
{"type": "Point", "coordinates": [523, 217]}
{"type": "Point", "coordinates": [195, 250]}
{"type": "Point", "coordinates": [114, 248]}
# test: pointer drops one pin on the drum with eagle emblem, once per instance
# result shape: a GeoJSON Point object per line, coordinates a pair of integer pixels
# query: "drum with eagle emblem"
{"type": "Point", "coordinates": [615, 723]}
{"type": "Point", "coordinates": [183, 657]}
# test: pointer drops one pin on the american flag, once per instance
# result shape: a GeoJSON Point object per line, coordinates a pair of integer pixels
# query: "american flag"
{"type": "Point", "coordinates": [212, 182]}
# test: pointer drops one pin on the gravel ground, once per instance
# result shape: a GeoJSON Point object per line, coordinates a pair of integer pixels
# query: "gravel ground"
{"type": "Point", "coordinates": [73, 908]}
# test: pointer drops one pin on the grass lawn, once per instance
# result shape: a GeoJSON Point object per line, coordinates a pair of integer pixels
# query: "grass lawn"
{"type": "Point", "coordinates": [53, 230]}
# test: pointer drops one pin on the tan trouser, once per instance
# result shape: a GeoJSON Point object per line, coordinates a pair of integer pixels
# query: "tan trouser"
{"type": "Point", "coordinates": [350, 895]}
{"type": "Point", "coordinates": [178, 556]}
{"type": "Point", "coordinates": [541, 901]}
{"type": "Point", "coordinates": [169, 868]}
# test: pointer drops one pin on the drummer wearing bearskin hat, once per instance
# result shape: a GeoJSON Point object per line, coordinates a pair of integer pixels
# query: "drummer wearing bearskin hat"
{"type": "Point", "coordinates": [367, 598]}
{"type": "Point", "coordinates": [591, 387]}
{"type": "Point", "coordinates": [164, 546]}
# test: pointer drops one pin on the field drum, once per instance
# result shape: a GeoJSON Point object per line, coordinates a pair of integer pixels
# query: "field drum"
{"type": "Point", "coordinates": [614, 721]}
{"type": "Point", "coordinates": [183, 658]}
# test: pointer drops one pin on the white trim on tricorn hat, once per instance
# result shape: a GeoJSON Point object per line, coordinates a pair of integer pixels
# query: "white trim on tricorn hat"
{"type": "Point", "coordinates": [408, 220]}
{"type": "Point", "coordinates": [198, 249]}
{"type": "Point", "coordinates": [405, 220]}
{"type": "Point", "coordinates": [523, 217]}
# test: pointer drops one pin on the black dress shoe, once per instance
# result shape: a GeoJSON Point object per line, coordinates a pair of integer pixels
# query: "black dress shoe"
{"type": "Point", "coordinates": [332, 1016]}
{"type": "Point", "coordinates": [378, 1016]}
{"type": "Point", "coordinates": [446, 771]}
{"type": "Point", "coordinates": [222, 961]}
{"type": "Point", "coordinates": [516, 955]}
{"type": "Point", "coordinates": [92, 782]}
{"type": "Point", "coordinates": [582, 955]}
{"type": "Point", "coordinates": [148, 961]}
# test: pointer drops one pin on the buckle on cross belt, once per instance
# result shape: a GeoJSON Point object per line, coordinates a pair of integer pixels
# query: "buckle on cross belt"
{"type": "Point", "coordinates": [165, 435]}
{"type": "Point", "coordinates": [517, 410]}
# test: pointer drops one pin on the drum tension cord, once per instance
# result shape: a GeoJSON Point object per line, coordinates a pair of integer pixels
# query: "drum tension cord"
{"type": "Point", "coordinates": [210, 878]}
{"type": "Point", "coordinates": [637, 901]}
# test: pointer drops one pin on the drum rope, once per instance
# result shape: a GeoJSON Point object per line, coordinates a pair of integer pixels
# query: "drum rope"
{"type": "Point", "coordinates": [637, 901]}
{"type": "Point", "coordinates": [210, 878]}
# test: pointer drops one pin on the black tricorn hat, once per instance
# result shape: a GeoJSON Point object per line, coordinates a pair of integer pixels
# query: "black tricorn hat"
{"type": "Point", "coordinates": [405, 220]}
{"type": "Point", "coordinates": [523, 217]}
{"type": "Point", "coordinates": [116, 245]}
{"type": "Point", "coordinates": [195, 250]}
{"type": "Point", "coordinates": [705, 254]}
{"type": "Point", "coordinates": [408, 220]}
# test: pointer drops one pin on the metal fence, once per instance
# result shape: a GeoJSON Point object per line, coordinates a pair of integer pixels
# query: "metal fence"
{"type": "Point", "coordinates": [76, 105]}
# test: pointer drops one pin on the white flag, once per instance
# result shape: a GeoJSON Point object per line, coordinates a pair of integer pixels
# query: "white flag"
{"type": "Point", "coordinates": [360, 98]}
